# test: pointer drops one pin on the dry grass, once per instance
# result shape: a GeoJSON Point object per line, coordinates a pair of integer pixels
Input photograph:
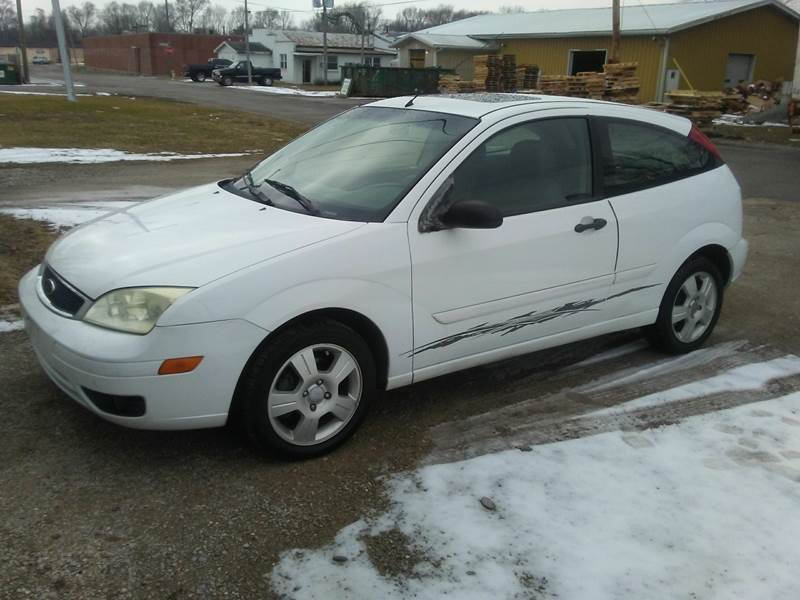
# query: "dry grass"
{"type": "Point", "coordinates": [22, 246]}
{"type": "Point", "coordinates": [136, 125]}
{"type": "Point", "coordinates": [775, 135]}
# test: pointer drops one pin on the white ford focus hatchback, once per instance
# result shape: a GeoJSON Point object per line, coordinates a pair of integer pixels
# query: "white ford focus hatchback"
{"type": "Point", "coordinates": [396, 242]}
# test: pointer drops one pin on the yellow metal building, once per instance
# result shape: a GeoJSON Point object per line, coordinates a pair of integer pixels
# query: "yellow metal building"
{"type": "Point", "coordinates": [717, 44]}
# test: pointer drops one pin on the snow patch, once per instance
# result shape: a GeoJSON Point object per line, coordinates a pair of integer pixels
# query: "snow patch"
{"type": "Point", "coordinates": [613, 353]}
{"type": "Point", "coordinates": [6, 326]}
{"type": "Point", "coordinates": [748, 377]}
{"type": "Point", "coordinates": [705, 508]}
{"type": "Point", "coordinates": [67, 214]}
{"type": "Point", "coordinates": [38, 93]}
{"type": "Point", "coordinates": [285, 91]}
{"type": "Point", "coordinates": [92, 155]}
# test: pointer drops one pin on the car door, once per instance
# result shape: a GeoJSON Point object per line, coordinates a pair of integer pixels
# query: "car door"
{"type": "Point", "coordinates": [650, 177]}
{"type": "Point", "coordinates": [545, 270]}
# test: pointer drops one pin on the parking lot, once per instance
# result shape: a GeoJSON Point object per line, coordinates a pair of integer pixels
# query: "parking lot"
{"type": "Point", "coordinates": [92, 510]}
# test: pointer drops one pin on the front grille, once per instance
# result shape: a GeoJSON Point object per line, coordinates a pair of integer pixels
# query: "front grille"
{"type": "Point", "coordinates": [60, 295]}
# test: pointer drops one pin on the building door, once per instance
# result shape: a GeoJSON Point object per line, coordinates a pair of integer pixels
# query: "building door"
{"type": "Point", "coordinates": [739, 69]}
{"type": "Point", "coordinates": [416, 58]}
{"type": "Point", "coordinates": [135, 60]}
{"type": "Point", "coordinates": [306, 70]}
{"type": "Point", "coordinates": [582, 61]}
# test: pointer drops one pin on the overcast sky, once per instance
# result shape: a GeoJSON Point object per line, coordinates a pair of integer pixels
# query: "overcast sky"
{"type": "Point", "coordinates": [28, 6]}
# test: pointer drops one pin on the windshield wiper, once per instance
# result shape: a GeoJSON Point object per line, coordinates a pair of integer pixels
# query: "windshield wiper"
{"type": "Point", "coordinates": [255, 191]}
{"type": "Point", "coordinates": [288, 190]}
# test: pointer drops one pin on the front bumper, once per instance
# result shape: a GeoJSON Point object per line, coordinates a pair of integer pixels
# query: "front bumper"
{"type": "Point", "coordinates": [79, 356]}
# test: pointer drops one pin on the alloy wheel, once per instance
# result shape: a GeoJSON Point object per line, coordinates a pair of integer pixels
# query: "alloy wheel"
{"type": "Point", "coordinates": [694, 307]}
{"type": "Point", "coordinates": [314, 394]}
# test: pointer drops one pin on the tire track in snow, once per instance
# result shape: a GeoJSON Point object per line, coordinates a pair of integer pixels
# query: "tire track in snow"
{"type": "Point", "coordinates": [568, 413]}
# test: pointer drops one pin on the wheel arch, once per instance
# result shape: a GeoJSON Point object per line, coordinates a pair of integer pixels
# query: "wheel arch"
{"type": "Point", "coordinates": [721, 258]}
{"type": "Point", "coordinates": [361, 324]}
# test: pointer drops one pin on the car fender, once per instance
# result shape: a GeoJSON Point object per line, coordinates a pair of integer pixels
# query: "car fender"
{"type": "Point", "coordinates": [707, 234]}
{"type": "Point", "coordinates": [386, 307]}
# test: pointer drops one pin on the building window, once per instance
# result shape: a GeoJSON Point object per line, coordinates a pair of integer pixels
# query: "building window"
{"type": "Point", "coordinates": [372, 61]}
{"type": "Point", "coordinates": [333, 62]}
{"type": "Point", "coordinates": [583, 61]}
{"type": "Point", "coordinates": [284, 61]}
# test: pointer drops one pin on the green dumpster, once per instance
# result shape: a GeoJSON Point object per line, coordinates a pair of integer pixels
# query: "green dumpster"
{"type": "Point", "coordinates": [391, 81]}
{"type": "Point", "coordinates": [9, 74]}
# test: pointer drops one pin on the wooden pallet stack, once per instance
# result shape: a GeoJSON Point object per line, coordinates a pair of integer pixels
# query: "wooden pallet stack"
{"type": "Point", "coordinates": [700, 107]}
{"type": "Point", "coordinates": [527, 77]}
{"type": "Point", "coordinates": [576, 87]}
{"type": "Point", "coordinates": [488, 72]}
{"type": "Point", "coordinates": [448, 83]}
{"type": "Point", "coordinates": [595, 84]}
{"type": "Point", "coordinates": [622, 85]}
{"type": "Point", "coordinates": [554, 85]}
{"type": "Point", "coordinates": [509, 73]}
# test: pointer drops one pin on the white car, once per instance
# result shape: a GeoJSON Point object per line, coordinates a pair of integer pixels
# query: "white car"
{"type": "Point", "coordinates": [399, 241]}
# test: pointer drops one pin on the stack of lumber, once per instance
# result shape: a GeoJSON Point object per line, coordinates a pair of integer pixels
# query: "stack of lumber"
{"type": "Point", "coordinates": [622, 85]}
{"type": "Point", "coordinates": [555, 85]}
{"type": "Point", "coordinates": [448, 83]}
{"type": "Point", "coordinates": [527, 77]}
{"type": "Point", "coordinates": [509, 73]}
{"type": "Point", "coordinates": [595, 84]}
{"type": "Point", "coordinates": [700, 107]}
{"type": "Point", "coordinates": [576, 87]}
{"type": "Point", "coordinates": [488, 72]}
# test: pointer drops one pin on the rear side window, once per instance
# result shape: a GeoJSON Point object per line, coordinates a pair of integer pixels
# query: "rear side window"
{"type": "Point", "coordinates": [639, 156]}
{"type": "Point", "coordinates": [533, 166]}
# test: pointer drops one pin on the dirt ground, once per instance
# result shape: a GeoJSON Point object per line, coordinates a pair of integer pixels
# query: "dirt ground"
{"type": "Point", "coordinates": [91, 510]}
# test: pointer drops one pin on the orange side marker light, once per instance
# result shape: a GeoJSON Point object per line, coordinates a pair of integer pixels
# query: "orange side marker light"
{"type": "Point", "coordinates": [173, 366]}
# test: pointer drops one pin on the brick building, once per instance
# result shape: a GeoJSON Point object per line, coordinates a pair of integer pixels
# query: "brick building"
{"type": "Point", "coordinates": [150, 53]}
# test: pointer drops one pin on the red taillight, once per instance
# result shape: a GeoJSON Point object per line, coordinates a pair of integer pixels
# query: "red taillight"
{"type": "Point", "coordinates": [701, 138]}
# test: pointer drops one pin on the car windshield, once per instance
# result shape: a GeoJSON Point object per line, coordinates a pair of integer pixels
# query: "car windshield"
{"type": "Point", "coordinates": [359, 165]}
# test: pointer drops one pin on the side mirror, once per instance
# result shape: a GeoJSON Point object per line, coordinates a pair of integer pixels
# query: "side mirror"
{"type": "Point", "coordinates": [472, 214]}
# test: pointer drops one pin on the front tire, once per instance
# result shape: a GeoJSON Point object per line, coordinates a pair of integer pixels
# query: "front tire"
{"type": "Point", "coordinates": [307, 390]}
{"type": "Point", "coordinates": [227, 81]}
{"type": "Point", "coordinates": [690, 308]}
{"type": "Point", "coordinates": [200, 77]}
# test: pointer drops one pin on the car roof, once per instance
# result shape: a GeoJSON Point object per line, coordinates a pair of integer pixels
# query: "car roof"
{"type": "Point", "coordinates": [479, 105]}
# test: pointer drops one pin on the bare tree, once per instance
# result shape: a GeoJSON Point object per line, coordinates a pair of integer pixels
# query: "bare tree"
{"type": "Point", "coordinates": [265, 19]}
{"type": "Point", "coordinates": [187, 13]}
{"type": "Point", "coordinates": [214, 18]}
{"type": "Point", "coordinates": [82, 17]}
{"type": "Point", "coordinates": [286, 20]}
{"type": "Point", "coordinates": [236, 20]}
{"type": "Point", "coordinates": [508, 9]}
{"type": "Point", "coordinates": [146, 16]}
{"type": "Point", "coordinates": [8, 15]}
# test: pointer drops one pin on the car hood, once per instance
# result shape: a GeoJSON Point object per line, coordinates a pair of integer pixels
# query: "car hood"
{"type": "Point", "coordinates": [186, 239]}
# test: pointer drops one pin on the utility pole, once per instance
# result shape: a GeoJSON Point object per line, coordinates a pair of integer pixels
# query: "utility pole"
{"type": "Point", "coordinates": [614, 32]}
{"type": "Point", "coordinates": [62, 49]}
{"type": "Point", "coordinates": [247, 44]}
{"type": "Point", "coordinates": [166, 14]}
{"type": "Point", "coordinates": [26, 76]}
{"type": "Point", "coordinates": [325, 41]}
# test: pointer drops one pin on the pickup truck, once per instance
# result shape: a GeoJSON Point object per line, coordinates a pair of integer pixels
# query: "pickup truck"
{"type": "Point", "coordinates": [202, 72]}
{"type": "Point", "coordinates": [238, 72]}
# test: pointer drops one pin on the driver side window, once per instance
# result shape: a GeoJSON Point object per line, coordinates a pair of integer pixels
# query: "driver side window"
{"type": "Point", "coordinates": [529, 167]}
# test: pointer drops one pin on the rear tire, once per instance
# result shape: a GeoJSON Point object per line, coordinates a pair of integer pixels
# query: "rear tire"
{"type": "Point", "coordinates": [307, 390]}
{"type": "Point", "coordinates": [690, 308]}
{"type": "Point", "coordinates": [267, 81]}
{"type": "Point", "coordinates": [199, 77]}
{"type": "Point", "coordinates": [227, 81]}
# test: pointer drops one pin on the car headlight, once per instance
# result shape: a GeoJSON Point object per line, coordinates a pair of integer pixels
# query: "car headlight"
{"type": "Point", "coordinates": [134, 310]}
